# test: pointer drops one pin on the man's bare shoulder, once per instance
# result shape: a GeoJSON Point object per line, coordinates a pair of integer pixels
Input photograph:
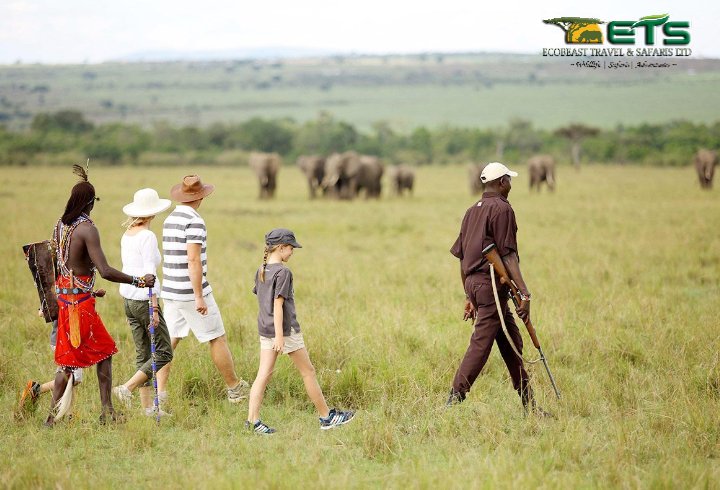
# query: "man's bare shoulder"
{"type": "Point", "coordinates": [86, 229]}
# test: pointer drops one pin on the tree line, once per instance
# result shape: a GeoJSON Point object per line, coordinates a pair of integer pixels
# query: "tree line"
{"type": "Point", "coordinates": [55, 137]}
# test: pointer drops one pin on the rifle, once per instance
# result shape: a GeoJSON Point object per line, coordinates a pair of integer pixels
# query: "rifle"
{"type": "Point", "coordinates": [493, 257]}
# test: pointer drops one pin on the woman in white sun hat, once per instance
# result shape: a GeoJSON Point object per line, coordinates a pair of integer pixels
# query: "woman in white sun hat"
{"type": "Point", "coordinates": [140, 256]}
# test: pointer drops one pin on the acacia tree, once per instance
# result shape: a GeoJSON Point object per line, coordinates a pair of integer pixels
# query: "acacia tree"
{"type": "Point", "coordinates": [571, 24]}
{"type": "Point", "coordinates": [576, 133]}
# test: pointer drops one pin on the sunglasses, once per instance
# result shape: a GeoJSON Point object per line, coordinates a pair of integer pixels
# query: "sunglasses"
{"type": "Point", "coordinates": [91, 201]}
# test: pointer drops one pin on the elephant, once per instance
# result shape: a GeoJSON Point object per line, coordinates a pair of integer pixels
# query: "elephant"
{"type": "Point", "coordinates": [369, 176]}
{"type": "Point", "coordinates": [705, 161]}
{"type": "Point", "coordinates": [541, 168]}
{"type": "Point", "coordinates": [591, 37]}
{"type": "Point", "coordinates": [474, 171]}
{"type": "Point", "coordinates": [346, 174]}
{"type": "Point", "coordinates": [266, 167]}
{"type": "Point", "coordinates": [341, 171]}
{"type": "Point", "coordinates": [314, 169]}
{"type": "Point", "coordinates": [402, 178]}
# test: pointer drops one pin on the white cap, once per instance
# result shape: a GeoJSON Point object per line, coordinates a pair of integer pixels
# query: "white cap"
{"type": "Point", "coordinates": [146, 202]}
{"type": "Point", "coordinates": [495, 170]}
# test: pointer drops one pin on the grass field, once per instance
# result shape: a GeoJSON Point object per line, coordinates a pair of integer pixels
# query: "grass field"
{"type": "Point", "coordinates": [624, 267]}
{"type": "Point", "coordinates": [480, 90]}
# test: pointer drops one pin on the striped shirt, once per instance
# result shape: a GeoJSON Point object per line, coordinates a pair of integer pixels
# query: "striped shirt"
{"type": "Point", "coordinates": [184, 225]}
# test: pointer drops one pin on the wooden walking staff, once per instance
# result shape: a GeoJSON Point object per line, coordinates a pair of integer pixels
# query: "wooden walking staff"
{"type": "Point", "coordinates": [156, 400]}
{"type": "Point", "coordinates": [496, 264]}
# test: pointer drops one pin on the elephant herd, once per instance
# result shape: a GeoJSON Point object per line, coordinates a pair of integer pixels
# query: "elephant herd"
{"type": "Point", "coordinates": [340, 176]}
{"type": "Point", "coordinates": [348, 175]}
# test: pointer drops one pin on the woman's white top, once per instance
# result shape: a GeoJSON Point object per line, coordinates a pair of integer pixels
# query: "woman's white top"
{"type": "Point", "coordinates": [140, 256]}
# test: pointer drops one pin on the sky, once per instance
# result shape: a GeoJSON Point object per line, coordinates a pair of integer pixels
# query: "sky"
{"type": "Point", "coordinates": [78, 31]}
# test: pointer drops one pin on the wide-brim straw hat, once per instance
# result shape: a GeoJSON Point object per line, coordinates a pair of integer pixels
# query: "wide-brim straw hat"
{"type": "Point", "coordinates": [146, 202]}
{"type": "Point", "coordinates": [191, 189]}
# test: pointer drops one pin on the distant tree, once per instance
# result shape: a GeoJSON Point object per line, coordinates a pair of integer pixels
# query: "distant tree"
{"type": "Point", "coordinates": [66, 121]}
{"type": "Point", "coordinates": [192, 138]}
{"type": "Point", "coordinates": [452, 141]}
{"type": "Point", "coordinates": [482, 143]}
{"type": "Point", "coordinates": [217, 135]}
{"type": "Point", "coordinates": [325, 135]}
{"type": "Point", "coordinates": [265, 135]}
{"type": "Point", "coordinates": [165, 138]}
{"type": "Point", "coordinates": [421, 142]}
{"type": "Point", "coordinates": [520, 137]}
{"type": "Point", "coordinates": [387, 139]}
{"type": "Point", "coordinates": [576, 133]}
{"type": "Point", "coordinates": [113, 141]}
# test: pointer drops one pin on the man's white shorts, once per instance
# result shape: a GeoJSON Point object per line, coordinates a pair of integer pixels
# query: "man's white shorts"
{"type": "Point", "coordinates": [181, 317]}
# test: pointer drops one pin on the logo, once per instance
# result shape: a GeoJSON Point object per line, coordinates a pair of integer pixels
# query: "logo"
{"type": "Point", "coordinates": [649, 29]}
{"type": "Point", "coordinates": [579, 30]}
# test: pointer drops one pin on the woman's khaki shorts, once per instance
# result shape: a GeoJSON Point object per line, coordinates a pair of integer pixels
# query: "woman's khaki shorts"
{"type": "Point", "coordinates": [292, 343]}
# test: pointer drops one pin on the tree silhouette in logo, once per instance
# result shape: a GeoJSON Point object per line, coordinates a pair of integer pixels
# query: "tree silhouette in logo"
{"type": "Point", "coordinates": [578, 29]}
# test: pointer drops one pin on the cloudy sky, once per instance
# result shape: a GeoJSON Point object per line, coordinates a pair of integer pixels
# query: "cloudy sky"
{"type": "Point", "coordinates": [73, 31]}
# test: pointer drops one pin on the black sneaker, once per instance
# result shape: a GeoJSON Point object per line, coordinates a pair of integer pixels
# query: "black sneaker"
{"type": "Point", "coordinates": [455, 398]}
{"type": "Point", "coordinates": [335, 418]}
{"type": "Point", "coordinates": [259, 427]}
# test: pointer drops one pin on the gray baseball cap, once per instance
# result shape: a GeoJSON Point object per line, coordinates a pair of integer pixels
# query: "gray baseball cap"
{"type": "Point", "coordinates": [281, 236]}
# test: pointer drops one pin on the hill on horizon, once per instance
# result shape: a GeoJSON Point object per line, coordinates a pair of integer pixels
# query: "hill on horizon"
{"type": "Point", "coordinates": [406, 91]}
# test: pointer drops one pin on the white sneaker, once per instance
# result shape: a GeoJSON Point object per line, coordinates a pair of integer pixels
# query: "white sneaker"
{"type": "Point", "coordinates": [150, 412]}
{"type": "Point", "coordinates": [123, 395]}
{"type": "Point", "coordinates": [239, 393]}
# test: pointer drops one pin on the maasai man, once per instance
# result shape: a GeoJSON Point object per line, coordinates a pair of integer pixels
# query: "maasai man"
{"type": "Point", "coordinates": [82, 339]}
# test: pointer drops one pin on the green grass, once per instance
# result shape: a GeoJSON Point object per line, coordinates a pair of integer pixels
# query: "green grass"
{"type": "Point", "coordinates": [464, 90]}
{"type": "Point", "coordinates": [624, 267]}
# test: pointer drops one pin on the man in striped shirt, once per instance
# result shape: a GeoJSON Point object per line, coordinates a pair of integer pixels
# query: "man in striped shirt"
{"type": "Point", "coordinates": [186, 292]}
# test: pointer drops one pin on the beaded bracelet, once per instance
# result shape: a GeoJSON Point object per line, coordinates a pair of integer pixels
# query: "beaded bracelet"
{"type": "Point", "coordinates": [138, 282]}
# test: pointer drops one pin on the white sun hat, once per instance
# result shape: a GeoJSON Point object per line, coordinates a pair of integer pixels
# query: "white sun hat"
{"type": "Point", "coordinates": [146, 202]}
{"type": "Point", "coordinates": [495, 170]}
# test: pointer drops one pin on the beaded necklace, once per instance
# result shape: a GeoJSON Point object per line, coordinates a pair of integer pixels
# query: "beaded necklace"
{"type": "Point", "coordinates": [61, 237]}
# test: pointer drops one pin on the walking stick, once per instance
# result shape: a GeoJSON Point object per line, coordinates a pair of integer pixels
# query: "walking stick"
{"type": "Point", "coordinates": [156, 401]}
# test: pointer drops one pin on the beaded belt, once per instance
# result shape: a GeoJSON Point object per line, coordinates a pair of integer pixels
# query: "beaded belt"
{"type": "Point", "coordinates": [76, 302]}
{"type": "Point", "coordinates": [71, 290]}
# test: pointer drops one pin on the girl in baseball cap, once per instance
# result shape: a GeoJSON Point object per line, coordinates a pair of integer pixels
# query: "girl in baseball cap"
{"type": "Point", "coordinates": [280, 333]}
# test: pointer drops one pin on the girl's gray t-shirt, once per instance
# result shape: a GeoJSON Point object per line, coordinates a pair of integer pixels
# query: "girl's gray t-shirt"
{"type": "Point", "coordinates": [278, 282]}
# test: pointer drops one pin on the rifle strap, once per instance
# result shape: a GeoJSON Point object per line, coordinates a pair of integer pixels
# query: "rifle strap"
{"type": "Point", "coordinates": [502, 318]}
